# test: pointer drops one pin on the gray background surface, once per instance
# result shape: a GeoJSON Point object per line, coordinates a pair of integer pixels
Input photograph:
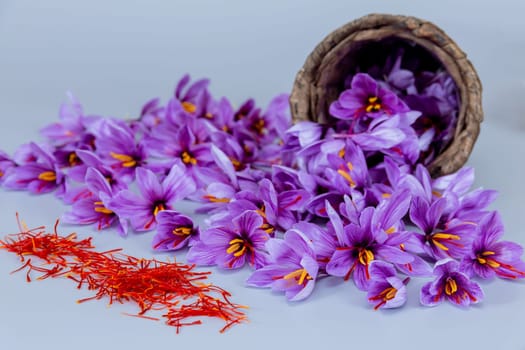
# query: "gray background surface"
{"type": "Point", "coordinates": [115, 55]}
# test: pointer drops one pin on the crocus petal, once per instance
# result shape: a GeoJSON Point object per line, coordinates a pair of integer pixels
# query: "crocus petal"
{"type": "Point", "coordinates": [248, 221]}
{"type": "Point", "coordinates": [340, 263]}
{"type": "Point", "coordinates": [394, 255]}
{"type": "Point", "coordinates": [337, 224]}
{"type": "Point", "coordinates": [380, 138]}
{"type": "Point", "coordinates": [427, 298]}
{"type": "Point", "coordinates": [96, 182]}
{"type": "Point", "coordinates": [264, 277]}
{"type": "Point", "coordinates": [204, 255]}
{"type": "Point", "coordinates": [148, 184]}
{"type": "Point", "coordinates": [381, 270]}
{"type": "Point", "coordinates": [177, 185]}
{"type": "Point", "coordinates": [224, 163]}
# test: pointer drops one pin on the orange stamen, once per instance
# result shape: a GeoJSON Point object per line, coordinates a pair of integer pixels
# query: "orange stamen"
{"type": "Point", "coordinates": [183, 231]}
{"type": "Point", "coordinates": [189, 107]}
{"type": "Point", "coordinates": [100, 208]}
{"type": "Point", "coordinates": [300, 275]}
{"type": "Point", "coordinates": [187, 158]}
{"type": "Point", "coordinates": [451, 286]}
{"type": "Point", "coordinates": [214, 199]}
{"type": "Point", "coordinates": [374, 104]}
{"type": "Point", "coordinates": [49, 176]}
{"type": "Point", "coordinates": [126, 160]}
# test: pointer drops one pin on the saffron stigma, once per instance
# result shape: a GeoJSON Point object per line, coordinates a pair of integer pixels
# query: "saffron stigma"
{"type": "Point", "coordinates": [174, 289]}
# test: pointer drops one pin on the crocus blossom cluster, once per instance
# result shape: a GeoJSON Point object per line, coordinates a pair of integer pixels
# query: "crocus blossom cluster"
{"type": "Point", "coordinates": [350, 200]}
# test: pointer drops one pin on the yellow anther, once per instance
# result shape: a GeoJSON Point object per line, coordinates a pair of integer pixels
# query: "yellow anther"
{"type": "Point", "coordinates": [439, 244]}
{"type": "Point", "coordinates": [386, 195]}
{"type": "Point", "coordinates": [214, 199]}
{"type": "Point", "coordinates": [240, 252]}
{"type": "Point", "coordinates": [100, 208]}
{"type": "Point", "coordinates": [158, 208]}
{"type": "Point", "coordinates": [365, 256]}
{"type": "Point", "coordinates": [259, 125]}
{"type": "Point", "coordinates": [373, 104]}
{"type": "Point", "coordinates": [300, 275]}
{"type": "Point", "coordinates": [237, 247]}
{"type": "Point", "coordinates": [442, 235]}
{"type": "Point", "coordinates": [48, 176]}
{"type": "Point", "coordinates": [350, 166]}
{"type": "Point", "coordinates": [182, 231]}
{"type": "Point", "coordinates": [481, 260]}
{"type": "Point", "coordinates": [451, 286]}
{"type": "Point", "coordinates": [126, 161]}
{"type": "Point", "coordinates": [347, 177]}
{"type": "Point", "coordinates": [73, 159]}
{"type": "Point", "coordinates": [341, 153]}
{"type": "Point", "coordinates": [487, 253]}
{"type": "Point", "coordinates": [233, 248]}
{"type": "Point", "coordinates": [267, 228]}
{"type": "Point", "coordinates": [390, 293]}
{"type": "Point", "coordinates": [236, 164]}
{"type": "Point", "coordinates": [390, 230]}
{"type": "Point", "coordinates": [262, 211]}
{"type": "Point", "coordinates": [437, 193]}
{"type": "Point", "coordinates": [492, 263]}
{"type": "Point", "coordinates": [208, 115]}
{"type": "Point", "coordinates": [187, 158]}
{"type": "Point", "coordinates": [189, 107]}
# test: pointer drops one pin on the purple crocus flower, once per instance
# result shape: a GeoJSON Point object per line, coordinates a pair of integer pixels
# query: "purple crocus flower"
{"type": "Point", "coordinates": [366, 98]}
{"type": "Point", "coordinates": [116, 146]}
{"type": "Point", "coordinates": [232, 246]}
{"type": "Point", "coordinates": [324, 240]}
{"type": "Point", "coordinates": [347, 169]}
{"type": "Point", "coordinates": [91, 160]}
{"type": "Point", "coordinates": [155, 196]}
{"type": "Point", "coordinates": [66, 157]}
{"type": "Point", "coordinates": [386, 290]}
{"type": "Point", "coordinates": [193, 98]}
{"type": "Point", "coordinates": [5, 163]}
{"type": "Point", "coordinates": [298, 136]}
{"type": "Point", "coordinates": [450, 284]}
{"type": "Point", "coordinates": [152, 114]}
{"type": "Point", "coordinates": [399, 79]}
{"type": "Point", "coordinates": [279, 209]}
{"type": "Point", "coordinates": [92, 207]}
{"type": "Point", "coordinates": [39, 175]}
{"type": "Point", "coordinates": [442, 237]}
{"type": "Point", "coordinates": [376, 236]}
{"type": "Point", "coordinates": [490, 257]}
{"type": "Point", "coordinates": [183, 146]}
{"type": "Point", "coordinates": [72, 127]}
{"type": "Point", "coordinates": [220, 116]}
{"type": "Point", "coordinates": [292, 266]}
{"type": "Point", "coordinates": [174, 231]}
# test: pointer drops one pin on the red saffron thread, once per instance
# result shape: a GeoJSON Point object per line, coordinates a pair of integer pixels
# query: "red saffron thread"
{"type": "Point", "coordinates": [169, 287]}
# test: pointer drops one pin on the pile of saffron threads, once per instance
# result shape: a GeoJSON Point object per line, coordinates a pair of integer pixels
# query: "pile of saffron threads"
{"type": "Point", "coordinates": [169, 287]}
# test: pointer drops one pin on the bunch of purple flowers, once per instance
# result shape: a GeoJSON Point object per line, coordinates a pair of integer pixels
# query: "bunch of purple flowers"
{"type": "Point", "coordinates": [352, 200]}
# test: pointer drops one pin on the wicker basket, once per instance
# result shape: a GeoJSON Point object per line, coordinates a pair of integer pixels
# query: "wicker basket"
{"type": "Point", "coordinates": [320, 80]}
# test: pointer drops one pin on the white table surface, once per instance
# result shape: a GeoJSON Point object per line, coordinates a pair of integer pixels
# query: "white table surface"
{"type": "Point", "coordinates": [115, 55]}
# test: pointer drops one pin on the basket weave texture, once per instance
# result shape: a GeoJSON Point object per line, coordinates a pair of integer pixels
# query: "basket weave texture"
{"type": "Point", "coordinates": [318, 83]}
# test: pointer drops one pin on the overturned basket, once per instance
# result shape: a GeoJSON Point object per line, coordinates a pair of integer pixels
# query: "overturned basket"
{"type": "Point", "coordinates": [321, 79]}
